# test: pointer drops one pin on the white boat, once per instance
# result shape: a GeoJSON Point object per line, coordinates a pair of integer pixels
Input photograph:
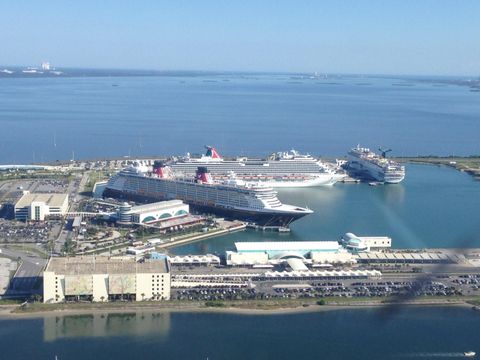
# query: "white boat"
{"type": "Point", "coordinates": [366, 163]}
{"type": "Point", "coordinates": [32, 71]}
{"type": "Point", "coordinates": [281, 169]}
{"type": "Point", "coordinates": [469, 353]}
{"type": "Point", "coordinates": [6, 71]}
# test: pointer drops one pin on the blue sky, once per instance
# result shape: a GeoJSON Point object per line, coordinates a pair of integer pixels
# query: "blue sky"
{"type": "Point", "coordinates": [431, 37]}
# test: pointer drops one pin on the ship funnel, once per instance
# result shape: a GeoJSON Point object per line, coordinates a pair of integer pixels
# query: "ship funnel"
{"type": "Point", "coordinates": [212, 152]}
{"type": "Point", "coordinates": [160, 169]}
{"type": "Point", "coordinates": [203, 175]}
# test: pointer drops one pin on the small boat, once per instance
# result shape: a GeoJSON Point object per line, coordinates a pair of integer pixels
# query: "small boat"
{"type": "Point", "coordinates": [375, 183]}
{"type": "Point", "coordinates": [469, 353]}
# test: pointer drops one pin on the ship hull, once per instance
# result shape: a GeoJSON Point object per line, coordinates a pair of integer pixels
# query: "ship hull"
{"type": "Point", "coordinates": [322, 180]}
{"type": "Point", "coordinates": [373, 172]}
{"type": "Point", "coordinates": [265, 218]}
{"type": "Point", "coordinates": [275, 174]}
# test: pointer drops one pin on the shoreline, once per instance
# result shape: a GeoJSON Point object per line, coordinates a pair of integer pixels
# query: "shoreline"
{"type": "Point", "coordinates": [7, 312]}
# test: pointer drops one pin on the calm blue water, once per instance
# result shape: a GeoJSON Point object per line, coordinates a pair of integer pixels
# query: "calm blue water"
{"type": "Point", "coordinates": [433, 207]}
{"type": "Point", "coordinates": [48, 118]}
{"type": "Point", "coordinates": [429, 333]}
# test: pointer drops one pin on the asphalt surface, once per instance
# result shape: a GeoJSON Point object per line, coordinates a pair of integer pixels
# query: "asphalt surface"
{"type": "Point", "coordinates": [27, 274]}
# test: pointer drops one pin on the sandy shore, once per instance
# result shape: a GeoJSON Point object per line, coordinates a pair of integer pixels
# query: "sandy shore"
{"type": "Point", "coordinates": [8, 311]}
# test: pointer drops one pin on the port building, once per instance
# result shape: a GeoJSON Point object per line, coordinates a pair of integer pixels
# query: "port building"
{"type": "Point", "coordinates": [152, 213]}
{"type": "Point", "coordinates": [358, 244]}
{"type": "Point", "coordinates": [99, 279]}
{"type": "Point", "coordinates": [295, 253]}
{"type": "Point", "coordinates": [39, 207]}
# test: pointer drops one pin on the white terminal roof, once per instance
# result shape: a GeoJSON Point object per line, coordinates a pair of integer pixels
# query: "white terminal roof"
{"type": "Point", "coordinates": [156, 206]}
{"type": "Point", "coordinates": [55, 200]}
{"type": "Point", "coordinates": [297, 264]}
{"type": "Point", "coordinates": [287, 246]}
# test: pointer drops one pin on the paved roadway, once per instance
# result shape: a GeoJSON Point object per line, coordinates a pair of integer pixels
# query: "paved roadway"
{"type": "Point", "coordinates": [27, 274]}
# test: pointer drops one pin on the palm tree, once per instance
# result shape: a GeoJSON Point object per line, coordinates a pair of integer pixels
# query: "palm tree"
{"type": "Point", "coordinates": [143, 296]}
{"type": "Point", "coordinates": [102, 298]}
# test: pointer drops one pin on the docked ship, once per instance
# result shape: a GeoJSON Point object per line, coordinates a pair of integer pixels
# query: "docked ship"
{"type": "Point", "coordinates": [366, 163]}
{"type": "Point", "coordinates": [282, 169]}
{"type": "Point", "coordinates": [231, 198]}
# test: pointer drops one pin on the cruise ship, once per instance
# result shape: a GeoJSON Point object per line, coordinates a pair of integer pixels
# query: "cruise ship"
{"type": "Point", "coordinates": [282, 169]}
{"type": "Point", "coordinates": [368, 164]}
{"type": "Point", "coordinates": [232, 198]}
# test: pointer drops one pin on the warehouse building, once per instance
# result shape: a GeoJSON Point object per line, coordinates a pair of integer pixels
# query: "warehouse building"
{"type": "Point", "coordinates": [39, 207]}
{"type": "Point", "coordinates": [105, 279]}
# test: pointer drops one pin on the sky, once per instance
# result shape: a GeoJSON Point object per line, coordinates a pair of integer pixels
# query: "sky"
{"type": "Point", "coordinates": [410, 37]}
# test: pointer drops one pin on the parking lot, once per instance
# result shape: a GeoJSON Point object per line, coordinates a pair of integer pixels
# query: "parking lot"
{"type": "Point", "coordinates": [19, 232]}
{"type": "Point", "coordinates": [389, 285]}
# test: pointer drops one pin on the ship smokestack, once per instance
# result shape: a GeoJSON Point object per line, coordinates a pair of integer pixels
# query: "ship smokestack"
{"type": "Point", "coordinates": [212, 152]}
{"type": "Point", "coordinates": [160, 169]}
{"type": "Point", "coordinates": [203, 175]}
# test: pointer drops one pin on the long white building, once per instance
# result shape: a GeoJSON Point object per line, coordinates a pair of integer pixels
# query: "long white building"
{"type": "Point", "coordinates": [102, 279]}
{"type": "Point", "coordinates": [274, 252]}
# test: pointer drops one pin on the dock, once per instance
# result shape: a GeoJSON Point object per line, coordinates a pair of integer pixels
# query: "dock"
{"type": "Point", "coordinates": [280, 229]}
{"type": "Point", "coordinates": [238, 226]}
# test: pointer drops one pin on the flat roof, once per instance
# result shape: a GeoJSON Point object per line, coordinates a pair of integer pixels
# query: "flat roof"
{"type": "Point", "coordinates": [87, 265]}
{"type": "Point", "coordinates": [77, 221]}
{"type": "Point", "coordinates": [286, 246]}
{"type": "Point", "coordinates": [297, 264]}
{"type": "Point", "coordinates": [56, 200]}
{"type": "Point", "coordinates": [155, 206]}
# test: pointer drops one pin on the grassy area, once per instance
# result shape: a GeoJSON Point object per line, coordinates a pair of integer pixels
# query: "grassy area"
{"type": "Point", "coordinates": [35, 175]}
{"type": "Point", "coordinates": [10, 302]}
{"type": "Point", "coordinates": [258, 304]}
{"type": "Point", "coordinates": [469, 164]}
{"type": "Point", "coordinates": [27, 249]}
{"type": "Point", "coordinates": [94, 177]}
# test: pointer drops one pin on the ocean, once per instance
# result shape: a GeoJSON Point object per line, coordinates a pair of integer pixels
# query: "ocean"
{"type": "Point", "coordinates": [57, 118]}
{"type": "Point", "coordinates": [50, 118]}
{"type": "Point", "coordinates": [413, 332]}
{"type": "Point", "coordinates": [433, 207]}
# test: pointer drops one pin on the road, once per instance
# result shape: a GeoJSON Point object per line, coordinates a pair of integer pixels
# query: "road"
{"type": "Point", "coordinates": [27, 274]}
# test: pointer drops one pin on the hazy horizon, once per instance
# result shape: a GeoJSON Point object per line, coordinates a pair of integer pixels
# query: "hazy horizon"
{"type": "Point", "coordinates": [427, 38]}
{"type": "Point", "coordinates": [158, 71]}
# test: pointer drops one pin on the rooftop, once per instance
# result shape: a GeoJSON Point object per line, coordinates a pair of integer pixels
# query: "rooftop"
{"type": "Point", "coordinates": [87, 265]}
{"type": "Point", "coordinates": [286, 246]}
{"type": "Point", "coordinates": [155, 206]}
{"type": "Point", "coordinates": [55, 200]}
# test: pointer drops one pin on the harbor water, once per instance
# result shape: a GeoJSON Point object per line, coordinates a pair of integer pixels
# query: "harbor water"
{"type": "Point", "coordinates": [250, 115]}
{"type": "Point", "coordinates": [338, 334]}
{"type": "Point", "coordinates": [433, 207]}
{"type": "Point", "coordinates": [253, 115]}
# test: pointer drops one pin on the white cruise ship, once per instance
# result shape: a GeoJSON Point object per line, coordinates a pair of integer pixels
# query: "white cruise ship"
{"type": "Point", "coordinates": [232, 198]}
{"type": "Point", "coordinates": [282, 169]}
{"type": "Point", "coordinates": [368, 164]}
